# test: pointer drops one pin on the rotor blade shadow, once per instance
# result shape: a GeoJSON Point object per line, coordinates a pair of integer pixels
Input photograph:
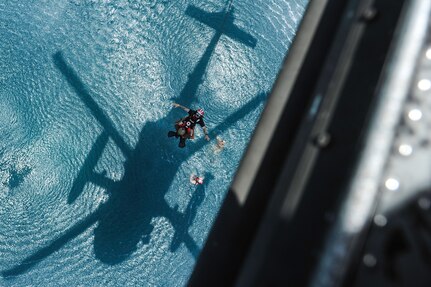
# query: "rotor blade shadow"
{"type": "Point", "coordinates": [88, 167]}
{"type": "Point", "coordinates": [222, 22]}
{"type": "Point", "coordinates": [81, 90]}
{"type": "Point", "coordinates": [54, 246]}
{"type": "Point", "coordinates": [233, 118]}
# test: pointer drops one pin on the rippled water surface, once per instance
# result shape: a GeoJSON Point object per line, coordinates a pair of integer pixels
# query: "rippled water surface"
{"type": "Point", "coordinates": [93, 192]}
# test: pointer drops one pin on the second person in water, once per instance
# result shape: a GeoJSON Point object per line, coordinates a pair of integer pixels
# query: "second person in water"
{"type": "Point", "coordinates": [184, 128]}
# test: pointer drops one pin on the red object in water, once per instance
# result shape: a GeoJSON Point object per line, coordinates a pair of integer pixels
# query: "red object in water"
{"type": "Point", "coordinates": [196, 180]}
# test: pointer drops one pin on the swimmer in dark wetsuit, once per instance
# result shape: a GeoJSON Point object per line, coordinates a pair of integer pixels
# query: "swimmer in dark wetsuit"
{"type": "Point", "coordinates": [184, 128]}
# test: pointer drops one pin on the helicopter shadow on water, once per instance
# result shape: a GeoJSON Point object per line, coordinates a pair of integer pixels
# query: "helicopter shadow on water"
{"type": "Point", "coordinates": [125, 218]}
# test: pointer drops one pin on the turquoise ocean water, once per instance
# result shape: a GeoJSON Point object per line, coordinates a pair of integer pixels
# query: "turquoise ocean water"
{"type": "Point", "coordinates": [92, 191]}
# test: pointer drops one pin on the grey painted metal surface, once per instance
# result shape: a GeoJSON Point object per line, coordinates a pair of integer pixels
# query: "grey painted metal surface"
{"type": "Point", "coordinates": [378, 173]}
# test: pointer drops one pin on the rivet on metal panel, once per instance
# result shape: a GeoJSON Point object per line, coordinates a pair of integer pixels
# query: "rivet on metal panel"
{"type": "Point", "coordinates": [380, 220]}
{"type": "Point", "coordinates": [405, 149]}
{"type": "Point", "coordinates": [369, 14]}
{"type": "Point", "coordinates": [415, 115]}
{"type": "Point", "coordinates": [424, 85]}
{"type": "Point", "coordinates": [392, 184]}
{"type": "Point", "coordinates": [369, 260]}
{"type": "Point", "coordinates": [322, 140]}
{"type": "Point", "coordinates": [424, 203]}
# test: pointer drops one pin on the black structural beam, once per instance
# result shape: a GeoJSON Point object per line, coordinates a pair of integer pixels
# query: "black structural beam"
{"type": "Point", "coordinates": [273, 234]}
{"type": "Point", "coordinates": [233, 232]}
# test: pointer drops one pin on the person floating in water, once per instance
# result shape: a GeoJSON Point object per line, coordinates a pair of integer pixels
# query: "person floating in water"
{"type": "Point", "coordinates": [219, 145]}
{"type": "Point", "coordinates": [184, 128]}
{"type": "Point", "coordinates": [196, 180]}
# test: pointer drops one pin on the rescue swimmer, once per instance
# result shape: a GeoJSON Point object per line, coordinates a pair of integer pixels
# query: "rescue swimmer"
{"type": "Point", "coordinates": [184, 128]}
